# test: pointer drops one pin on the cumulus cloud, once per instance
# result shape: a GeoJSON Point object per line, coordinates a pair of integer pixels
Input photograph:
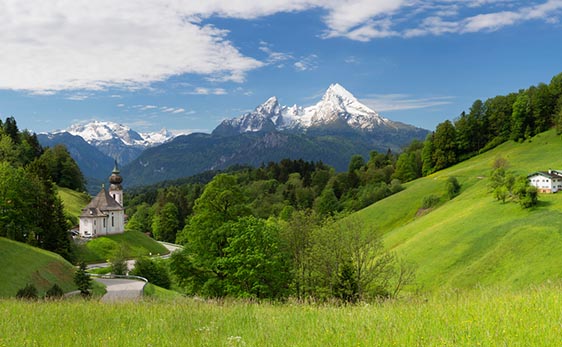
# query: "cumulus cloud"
{"type": "Point", "coordinates": [93, 45]}
{"type": "Point", "coordinates": [490, 21]}
{"type": "Point", "coordinates": [96, 45]}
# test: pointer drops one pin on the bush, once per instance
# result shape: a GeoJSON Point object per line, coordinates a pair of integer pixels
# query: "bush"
{"type": "Point", "coordinates": [29, 292]}
{"type": "Point", "coordinates": [55, 292]}
{"type": "Point", "coordinates": [119, 266]}
{"type": "Point", "coordinates": [155, 271]}
{"type": "Point", "coordinates": [453, 187]}
{"type": "Point", "coordinates": [430, 201]}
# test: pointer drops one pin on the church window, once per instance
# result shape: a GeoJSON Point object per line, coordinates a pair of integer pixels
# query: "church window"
{"type": "Point", "coordinates": [104, 222]}
{"type": "Point", "coordinates": [112, 221]}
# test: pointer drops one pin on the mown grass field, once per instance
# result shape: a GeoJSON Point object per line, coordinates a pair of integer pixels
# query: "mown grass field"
{"type": "Point", "coordinates": [22, 264]}
{"type": "Point", "coordinates": [73, 201]}
{"type": "Point", "coordinates": [133, 244]}
{"type": "Point", "coordinates": [474, 318]}
{"type": "Point", "coordinates": [474, 240]}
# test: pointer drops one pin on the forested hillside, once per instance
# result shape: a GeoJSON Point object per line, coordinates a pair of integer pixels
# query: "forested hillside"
{"type": "Point", "coordinates": [31, 210]}
{"type": "Point", "coordinates": [516, 116]}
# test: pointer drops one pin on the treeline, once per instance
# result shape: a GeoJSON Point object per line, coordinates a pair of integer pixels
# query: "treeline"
{"type": "Point", "coordinates": [271, 190]}
{"type": "Point", "coordinates": [230, 252]}
{"type": "Point", "coordinates": [30, 208]}
{"type": "Point", "coordinates": [516, 116]}
{"type": "Point", "coordinates": [275, 231]}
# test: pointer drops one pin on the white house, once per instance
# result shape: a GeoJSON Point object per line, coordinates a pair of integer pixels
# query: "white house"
{"type": "Point", "coordinates": [105, 214]}
{"type": "Point", "coordinates": [546, 181]}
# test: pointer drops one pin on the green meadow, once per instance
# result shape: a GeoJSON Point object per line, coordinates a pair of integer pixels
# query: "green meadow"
{"type": "Point", "coordinates": [73, 201]}
{"type": "Point", "coordinates": [474, 240]}
{"type": "Point", "coordinates": [132, 244]}
{"type": "Point", "coordinates": [22, 264]}
{"type": "Point", "coordinates": [483, 317]}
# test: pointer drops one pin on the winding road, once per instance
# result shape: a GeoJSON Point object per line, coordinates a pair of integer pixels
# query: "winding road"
{"type": "Point", "coordinates": [119, 289]}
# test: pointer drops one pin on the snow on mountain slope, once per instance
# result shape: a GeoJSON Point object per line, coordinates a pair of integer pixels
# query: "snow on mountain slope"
{"type": "Point", "coordinates": [98, 132]}
{"type": "Point", "coordinates": [337, 105]}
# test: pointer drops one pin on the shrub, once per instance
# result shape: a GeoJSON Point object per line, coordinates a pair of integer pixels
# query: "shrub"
{"type": "Point", "coordinates": [55, 292]}
{"type": "Point", "coordinates": [430, 201]}
{"type": "Point", "coordinates": [119, 266]}
{"type": "Point", "coordinates": [453, 187]}
{"type": "Point", "coordinates": [29, 292]}
{"type": "Point", "coordinates": [155, 271]}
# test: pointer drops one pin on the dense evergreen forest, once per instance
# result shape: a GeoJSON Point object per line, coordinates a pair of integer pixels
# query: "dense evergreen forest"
{"type": "Point", "coordinates": [30, 208]}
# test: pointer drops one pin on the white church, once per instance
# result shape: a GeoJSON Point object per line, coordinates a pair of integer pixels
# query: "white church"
{"type": "Point", "coordinates": [105, 214]}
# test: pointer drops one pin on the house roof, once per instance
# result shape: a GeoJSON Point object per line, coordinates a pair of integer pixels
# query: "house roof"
{"type": "Point", "coordinates": [552, 174]}
{"type": "Point", "coordinates": [100, 204]}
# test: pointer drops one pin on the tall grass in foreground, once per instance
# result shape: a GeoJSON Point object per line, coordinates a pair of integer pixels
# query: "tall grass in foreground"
{"type": "Point", "coordinates": [478, 318]}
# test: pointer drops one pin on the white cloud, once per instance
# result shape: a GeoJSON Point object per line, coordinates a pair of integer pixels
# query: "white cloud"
{"type": "Point", "coordinates": [78, 96]}
{"type": "Point", "coordinates": [147, 107]}
{"type": "Point", "coordinates": [96, 45]}
{"type": "Point", "coordinates": [307, 63]}
{"type": "Point", "coordinates": [178, 110]}
{"type": "Point", "coordinates": [93, 45]}
{"type": "Point", "coordinates": [397, 102]}
{"type": "Point", "coordinates": [491, 21]}
{"type": "Point", "coordinates": [273, 57]}
{"type": "Point", "coordinates": [208, 91]}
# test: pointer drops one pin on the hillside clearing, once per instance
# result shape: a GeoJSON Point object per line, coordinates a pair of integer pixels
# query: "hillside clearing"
{"type": "Point", "coordinates": [474, 240]}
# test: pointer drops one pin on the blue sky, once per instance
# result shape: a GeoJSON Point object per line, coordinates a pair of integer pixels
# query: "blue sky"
{"type": "Point", "coordinates": [186, 65]}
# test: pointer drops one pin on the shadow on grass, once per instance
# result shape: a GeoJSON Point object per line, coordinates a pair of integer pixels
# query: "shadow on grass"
{"type": "Point", "coordinates": [542, 203]}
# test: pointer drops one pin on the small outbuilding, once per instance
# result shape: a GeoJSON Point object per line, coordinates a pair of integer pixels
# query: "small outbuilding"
{"type": "Point", "coordinates": [546, 181]}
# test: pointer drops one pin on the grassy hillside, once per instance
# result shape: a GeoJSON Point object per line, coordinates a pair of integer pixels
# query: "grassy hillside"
{"type": "Point", "coordinates": [73, 201]}
{"type": "Point", "coordinates": [134, 244]}
{"type": "Point", "coordinates": [477, 318]}
{"type": "Point", "coordinates": [22, 264]}
{"type": "Point", "coordinates": [473, 239]}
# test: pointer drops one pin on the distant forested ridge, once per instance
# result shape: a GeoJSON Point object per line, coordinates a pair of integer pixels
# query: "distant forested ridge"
{"type": "Point", "coordinates": [30, 208]}
{"type": "Point", "coordinates": [516, 116]}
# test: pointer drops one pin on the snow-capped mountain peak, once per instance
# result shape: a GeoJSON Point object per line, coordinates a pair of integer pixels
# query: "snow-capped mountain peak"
{"type": "Point", "coordinates": [338, 108]}
{"type": "Point", "coordinates": [339, 93]}
{"type": "Point", "coordinates": [271, 106]}
{"type": "Point", "coordinates": [101, 131]}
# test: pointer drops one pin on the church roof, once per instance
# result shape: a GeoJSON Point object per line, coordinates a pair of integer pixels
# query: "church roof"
{"type": "Point", "coordinates": [100, 204]}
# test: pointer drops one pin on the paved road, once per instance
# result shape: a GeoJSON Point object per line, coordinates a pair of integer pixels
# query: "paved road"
{"type": "Point", "coordinates": [121, 289]}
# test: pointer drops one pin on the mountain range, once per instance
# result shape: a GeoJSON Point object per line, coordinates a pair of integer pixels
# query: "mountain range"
{"type": "Point", "coordinates": [338, 109]}
{"type": "Point", "coordinates": [331, 131]}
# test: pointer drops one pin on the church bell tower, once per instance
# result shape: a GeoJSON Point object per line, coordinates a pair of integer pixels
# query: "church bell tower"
{"type": "Point", "coordinates": [115, 189]}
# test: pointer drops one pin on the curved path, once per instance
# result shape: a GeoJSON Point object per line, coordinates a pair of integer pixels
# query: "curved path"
{"type": "Point", "coordinates": [119, 289]}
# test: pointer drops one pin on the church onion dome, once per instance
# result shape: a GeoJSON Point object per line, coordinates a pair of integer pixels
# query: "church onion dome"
{"type": "Point", "coordinates": [115, 178]}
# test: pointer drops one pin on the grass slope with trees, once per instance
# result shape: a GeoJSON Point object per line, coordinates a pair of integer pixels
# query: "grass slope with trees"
{"type": "Point", "coordinates": [475, 239]}
{"type": "Point", "coordinates": [22, 264]}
